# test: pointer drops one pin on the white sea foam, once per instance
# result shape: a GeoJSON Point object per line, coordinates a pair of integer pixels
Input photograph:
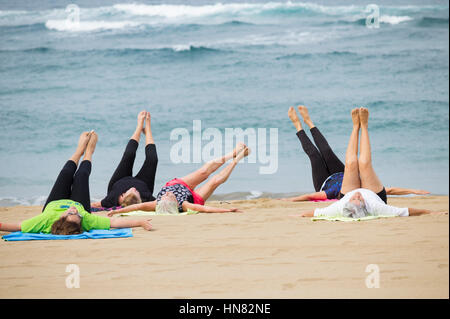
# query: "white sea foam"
{"type": "Point", "coordinates": [394, 19]}
{"type": "Point", "coordinates": [86, 26]}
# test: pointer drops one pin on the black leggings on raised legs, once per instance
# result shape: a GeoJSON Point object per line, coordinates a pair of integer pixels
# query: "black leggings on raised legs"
{"type": "Point", "coordinates": [72, 184]}
{"type": "Point", "coordinates": [324, 162]}
{"type": "Point", "coordinates": [125, 168]}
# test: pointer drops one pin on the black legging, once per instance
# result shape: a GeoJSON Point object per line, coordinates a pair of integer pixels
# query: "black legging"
{"type": "Point", "coordinates": [125, 167]}
{"type": "Point", "coordinates": [324, 162]}
{"type": "Point", "coordinates": [71, 185]}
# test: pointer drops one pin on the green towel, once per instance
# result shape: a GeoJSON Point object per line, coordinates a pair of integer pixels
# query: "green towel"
{"type": "Point", "coordinates": [347, 219]}
{"type": "Point", "coordinates": [143, 213]}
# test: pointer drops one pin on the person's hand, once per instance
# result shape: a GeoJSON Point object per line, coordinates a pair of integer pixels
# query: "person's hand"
{"type": "Point", "coordinates": [439, 213]}
{"type": "Point", "coordinates": [112, 213]}
{"type": "Point", "coordinates": [236, 210]}
{"type": "Point", "coordinates": [421, 192]}
{"type": "Point", "coordinates": [146, 224]}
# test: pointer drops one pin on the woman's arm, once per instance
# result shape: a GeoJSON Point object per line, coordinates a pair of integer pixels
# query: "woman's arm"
{"type": "Point", "coordinates": [208, 209]}
{"type": "Point", "coordinates": [405, 191]}
{"type": "Point", "coordinates": [146, 206]}
{"type": "Point", "coordinates": [125, 223]}
{"type": "Point", "coordinates": [10, 227]}
{"type": "Point", "coordinates": [307, 197]}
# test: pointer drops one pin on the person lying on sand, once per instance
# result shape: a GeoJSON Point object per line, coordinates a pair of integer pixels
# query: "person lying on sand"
{"type": "Point", "coordinates": [123, 188]}
{"type": "Point", "coordinates": [67, 209]}
{"type": "Point", "coordinates": [182, 194]}
{"type": "Point", "coordinates": [362, 193]}
{"type": "Point", "coordinates": [327, 169]}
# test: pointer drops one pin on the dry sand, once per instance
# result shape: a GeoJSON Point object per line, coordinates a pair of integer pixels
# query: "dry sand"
{"type": "Point", "coordinates": [261, 253]}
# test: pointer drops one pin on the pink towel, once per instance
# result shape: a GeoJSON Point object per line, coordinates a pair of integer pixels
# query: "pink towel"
{"type": "Point", "coordinates": [323, 200]}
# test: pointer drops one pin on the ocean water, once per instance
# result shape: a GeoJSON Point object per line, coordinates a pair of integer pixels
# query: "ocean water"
{"type": "Point", "coordinates": [229, 64]}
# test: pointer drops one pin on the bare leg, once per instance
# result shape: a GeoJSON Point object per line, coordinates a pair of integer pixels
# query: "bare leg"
{"type": "Point", "coordinates": [206, 190]}
{"type": "Point", "coordinates": [351, 178]}
{"type": "Point", "coordinates": [200, 175]}
{"type": "Point", "coordinates": [294, 118]}
{"type": "Point", "coordinates": [369, 178]}
{"type": "Point", "coordinates": [305, 115]}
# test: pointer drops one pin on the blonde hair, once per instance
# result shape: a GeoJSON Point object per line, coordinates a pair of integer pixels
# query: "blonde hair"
{"type": "Point", "coordinates": [131, 199]}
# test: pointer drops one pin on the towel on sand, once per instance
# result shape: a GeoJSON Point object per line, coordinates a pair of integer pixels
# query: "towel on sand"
{"type": "Point", "coordinates": [93, 234]}
{"type": "Point", "coordinates": [144, 213]}
{"type": "Point", "coordinates": [347, 219]}
{"type": "Point", "coordinates": [323, 200]}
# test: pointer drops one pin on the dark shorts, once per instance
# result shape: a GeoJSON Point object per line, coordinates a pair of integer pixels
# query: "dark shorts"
{"type": "Point", "coordinates": [381, 194]}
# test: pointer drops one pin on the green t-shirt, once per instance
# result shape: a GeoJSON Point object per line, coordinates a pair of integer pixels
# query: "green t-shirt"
{"type": "Point", "coordinates": [43, 223]}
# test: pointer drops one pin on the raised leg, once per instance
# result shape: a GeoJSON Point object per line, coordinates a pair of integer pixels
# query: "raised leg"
{"type": "Point", "coordinates": [333, 163]}
{"type": "Point", "coordinates": [351, 178]}
{"type": "Point", "coordinates": [369, 178]}
{"type": "Point", "coordinates": [62, 188]}
{"type": "Point", "coordinates": [80, 186]}
{"type": "Point", "coordinates": [148, 171]}
{"type": "Point", "coordinates": [318, 167]}
{"type": "Point", "coordinates": [205, 191]}
{"type": "Point", "coordinates": [200, 175]}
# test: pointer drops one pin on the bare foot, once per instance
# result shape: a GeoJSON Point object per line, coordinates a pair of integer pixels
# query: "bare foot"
{"type": "Point", "coordinates": [91, 146]}
{"type": "Point", "coordinates": [305, 115]}
{"type": "Point", "coordinates": [148, 126]}
{"type": "Point", "coordinates": [355, 118]}
{"type": "Point", "coordinates": [239, 147]}
{"type": "Point", "coordinates": [83, 142]}
{"type": "Point", "coordinates": [140, 121]}
{"type": "Point", "coordinates": [364, 116]}
{"type": "Point", "coordinates": [294, 118]}
{"type": "Point", "coordinates": [243, 153]}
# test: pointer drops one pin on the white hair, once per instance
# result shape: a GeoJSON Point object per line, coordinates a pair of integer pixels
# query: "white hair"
{"type": "Point", "coordinates": [355, 211]}
{"type": "Point", "coordinates": [165, 206]}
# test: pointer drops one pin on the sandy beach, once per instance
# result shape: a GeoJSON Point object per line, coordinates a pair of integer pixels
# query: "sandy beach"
{"type": "Point", "coordinates": [261, 253]}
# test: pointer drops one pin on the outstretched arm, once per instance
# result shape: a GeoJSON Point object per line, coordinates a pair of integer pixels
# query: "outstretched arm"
{"type": "Point", "coordinates": [146, 206]}
{"type": "Point", "coordinates": [405, 191]}
{"type": "Point", "coordinates": [10, 227]}
{"type": "Point", "coordinates": [209, 209]}
{"type": "Point", "coordinates": [125, 223]}
{"type": "Point", "coordinates": [307, 197]}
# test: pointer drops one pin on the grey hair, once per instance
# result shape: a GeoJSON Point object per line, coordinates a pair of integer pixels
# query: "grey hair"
{"type": "Point", "coordinates": [165, 206]}
{"type": "Point", "coordinates": [355, 211]}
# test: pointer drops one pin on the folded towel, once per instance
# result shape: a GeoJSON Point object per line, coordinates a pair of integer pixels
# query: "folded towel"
{"type": "Point", "coordinates": [93, 234]}
{"type": "Point", "coordinates": [347, 219]}
{"type": "Point", "coordinates": [143, 213]}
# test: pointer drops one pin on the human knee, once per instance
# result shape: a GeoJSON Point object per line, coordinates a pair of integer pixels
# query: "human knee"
{"type": "Point", "coordinates": [351, 163]}
{"type": "Point", "coordinates": [217, 180]}
{"type": "Point", "coordinates": [364, 164]}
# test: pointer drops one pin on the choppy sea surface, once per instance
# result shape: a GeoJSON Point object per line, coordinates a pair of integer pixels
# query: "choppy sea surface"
{"type": "Point", "coordinates": [229, 64]}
